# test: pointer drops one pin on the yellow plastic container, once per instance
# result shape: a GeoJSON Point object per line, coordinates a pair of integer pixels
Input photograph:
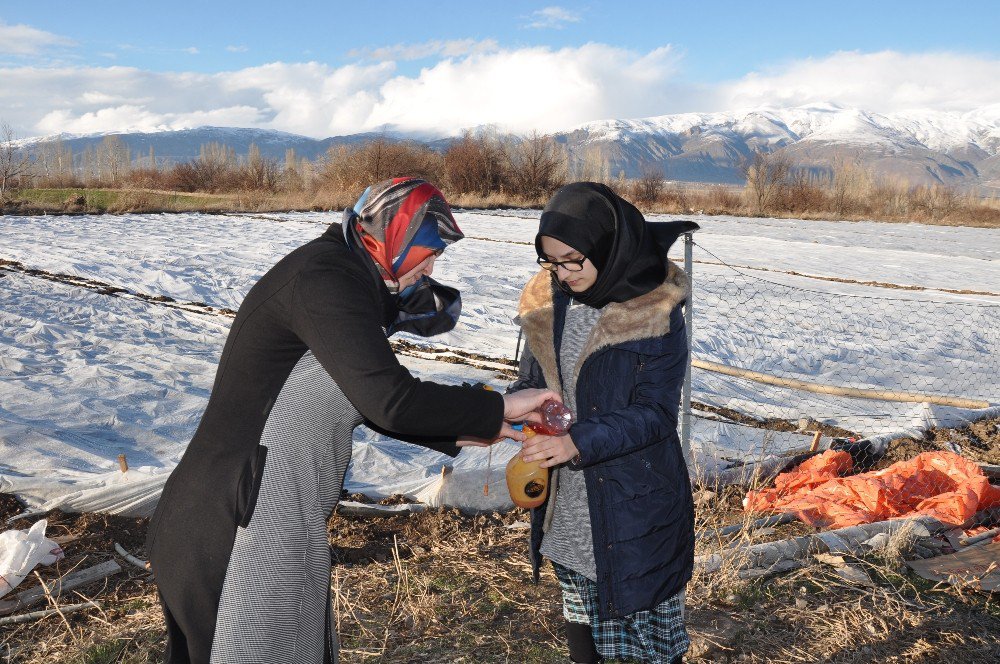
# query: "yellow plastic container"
{"type": "Point", "coordinates": [528, 483]}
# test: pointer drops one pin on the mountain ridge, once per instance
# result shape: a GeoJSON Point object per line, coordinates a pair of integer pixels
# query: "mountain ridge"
{"type": "Point", "coordinates": [954, 148]}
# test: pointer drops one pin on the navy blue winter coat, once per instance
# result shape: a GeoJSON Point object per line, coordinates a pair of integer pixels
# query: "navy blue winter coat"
{"type": "Point", "coordinates": [628, 396]}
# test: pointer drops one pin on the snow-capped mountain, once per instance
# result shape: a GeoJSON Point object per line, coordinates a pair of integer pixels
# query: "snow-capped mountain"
{"type": "Point", "coordinates": [923, 147]}
{"type": "Point", "coordinates": [920, 146]}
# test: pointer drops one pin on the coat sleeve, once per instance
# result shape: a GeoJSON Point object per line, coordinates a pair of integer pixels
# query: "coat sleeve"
{"type": "Point", "coordinates": [444, 444]}
{"type": "Point", "coordinates": [529, 373]}
{"type": "Point", "coordinates": [335, 313]}
{"type": "Point", "coordinates": [651, 415]}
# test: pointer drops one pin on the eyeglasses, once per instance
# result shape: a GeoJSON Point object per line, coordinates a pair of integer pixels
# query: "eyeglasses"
{"type": "Point", "coordinates": [552, 266]}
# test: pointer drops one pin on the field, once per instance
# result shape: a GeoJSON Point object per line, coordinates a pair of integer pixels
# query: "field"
{"type": "Point", "coordinates": [111, 325]}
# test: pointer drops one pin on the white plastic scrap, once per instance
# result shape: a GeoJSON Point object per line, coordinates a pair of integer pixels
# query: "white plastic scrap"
{"type": "Point", "coordinates": [21, 550]}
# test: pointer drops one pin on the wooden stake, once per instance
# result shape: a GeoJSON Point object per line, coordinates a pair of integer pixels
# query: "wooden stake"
{"type": "Point", "coordinates": [63, 610]}
{"type": "Point", "coordinates": [855, 392]}
{"type": "Point", "coordinates": [123, 463]}
{"type": "Point", "coordinates": [60, 586]}
{"type": "Point", "coordinates": [815, 443]}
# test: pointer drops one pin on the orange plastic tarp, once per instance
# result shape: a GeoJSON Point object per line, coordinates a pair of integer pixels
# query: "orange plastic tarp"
{"type": "Point", "coordinates": [941, 485]}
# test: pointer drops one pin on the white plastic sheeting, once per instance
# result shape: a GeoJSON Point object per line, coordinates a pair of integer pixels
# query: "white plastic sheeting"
{"type": "Point", "coordinates": [85, 377]}
{"type": "Point", "coordinates": [381, 467]}
{"type": "Point", "coordinates": [21, 551]}
{"type": "Point", "coordinates": [378, 470]}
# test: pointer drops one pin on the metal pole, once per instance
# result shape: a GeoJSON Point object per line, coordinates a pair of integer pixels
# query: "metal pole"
{"type": "Point", "coordinates": [689, 327]}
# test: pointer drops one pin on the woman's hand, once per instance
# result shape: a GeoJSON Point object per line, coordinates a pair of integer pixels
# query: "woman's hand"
{"type": "Point", "coordinates": [520, 406]}
{"type": "Point", "coordinates": [550, 450]}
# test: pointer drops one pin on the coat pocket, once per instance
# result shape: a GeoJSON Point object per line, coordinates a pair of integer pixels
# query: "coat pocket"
{"type": "Point", "coordinates": [250, 485]}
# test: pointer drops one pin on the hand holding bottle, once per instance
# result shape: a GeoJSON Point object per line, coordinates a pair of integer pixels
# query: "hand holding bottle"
{"type": "Point", "coordinates": [527, 478]}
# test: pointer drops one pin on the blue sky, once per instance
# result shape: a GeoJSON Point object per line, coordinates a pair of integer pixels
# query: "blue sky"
{"type": "Point", "coordinates": [323, 68]}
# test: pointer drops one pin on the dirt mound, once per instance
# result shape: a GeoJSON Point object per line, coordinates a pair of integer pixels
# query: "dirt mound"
{"type": "Point", "coordinates": [978, 442]}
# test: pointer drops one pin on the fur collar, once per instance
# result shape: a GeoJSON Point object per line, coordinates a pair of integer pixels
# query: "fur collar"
{"type": "Point", "coordinates": [639, 318]}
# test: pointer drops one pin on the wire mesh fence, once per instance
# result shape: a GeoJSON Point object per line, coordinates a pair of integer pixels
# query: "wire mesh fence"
{"type": "Point", "coordinates": [834, 378]}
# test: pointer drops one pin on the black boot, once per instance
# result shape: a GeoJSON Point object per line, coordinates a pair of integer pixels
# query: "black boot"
{"type": "Point", "coordinates": [581, 644]}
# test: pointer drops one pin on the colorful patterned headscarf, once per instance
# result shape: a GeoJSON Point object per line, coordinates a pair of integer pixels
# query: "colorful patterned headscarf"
{"type": "Point", "coordinates": [397, 224]}
{"type": "Point", "coordinates": [400, 222]}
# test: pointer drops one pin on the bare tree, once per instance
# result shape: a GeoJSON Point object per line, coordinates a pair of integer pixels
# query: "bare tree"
{"type": "Point", "coordinates": [475, 165]}
{"type": "Point", "coordinates": [649, 187]}
{"type": "Point", "coordinates": [15, 162]}
{"type": "Point", "coordinates": [113, 159]}
{"type": "Point", "coordinates": [260, 173]}
{"type": "Point", "coordinates": [766, 174]}
{"type": "Point", "coordinates": [215, 167]}
{"type": "Point", "coordinates": [537, 167]}
{"type": "Point", "coordinates": [588, 163]}
{"type": "Point", "coordinates": [348, 168]}
{"type": "Point", "coordinates": [213, 170]}
{"type": "Point", "coordinates": [291, 177]}
{"type": "Point", "coordinates": [937, 201]}
{"type": "Point", "coordinates": [63, 164]}
{"type": "Point", "coordinates": [89, 167]}
{"type": "Point", "coordinates": [850, 184]}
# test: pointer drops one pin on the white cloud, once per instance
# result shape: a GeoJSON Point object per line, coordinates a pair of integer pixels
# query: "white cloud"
{"type": "Point", "coordinates": [520, 89]}
{"type": "Point", "coordinates": [552, 17]}
{"type": "Point", "coordinates": [447, 49]}
{"type": "Point", "coordinates": [26, 40]}
{"type": "Point", "coordinates": [530, 88]}
{"type": "Point", "coordinates": [884, 82]}
{"type": "Point", "coordinates": [101, 98]}
{"type": "Point", "coordinates": [237, 49]}
{"type": "Point", "coordinates": [191, 50]}
{"type": "Point", "coordinates": [140, 118]}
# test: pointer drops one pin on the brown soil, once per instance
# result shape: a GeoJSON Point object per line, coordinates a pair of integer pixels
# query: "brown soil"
{"type": "Point", "coordinates": [979, 442]}
{"type": "Point", "coordinates": [772, 423]}
{"type": "Point", "coordinates": [439, 586]}
{"type": "Point", "coordinates": [902, 449]}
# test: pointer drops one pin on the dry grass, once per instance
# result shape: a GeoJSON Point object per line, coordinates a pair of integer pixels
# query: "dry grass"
{"type": "Point", "coordinates": [140, 200]}
{"type": "Point", "coordinates": [798, 199]}
{"type": "Point", "coordinates": [437, 584]}
{"type": "Point", "coordinates": [487, 172]}
{"type": "Point", "coordinates": [813, 615]}
{"type": "Point", "coordinates": [722, 200]}
{"type": "Point", "coordinates": [898, 203]}
{"type": "Point", "coordinates": [441, 586]}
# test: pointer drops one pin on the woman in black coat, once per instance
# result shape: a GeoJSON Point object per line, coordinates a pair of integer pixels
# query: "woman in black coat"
{"type": "Point", "coordinates": [604, 327]}
{"type": "Point", "coordinates": [238, 542]}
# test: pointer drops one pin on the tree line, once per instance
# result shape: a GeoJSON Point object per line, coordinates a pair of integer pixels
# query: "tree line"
{"type": "Point", "coordinates": [526, 169]}
{"type": "Point", "coordinates": [481, 170]}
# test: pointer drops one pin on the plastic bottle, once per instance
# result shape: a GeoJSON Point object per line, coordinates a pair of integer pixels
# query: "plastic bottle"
{"type": "Point", "coordinates": [556, 419]}
{"type": "Point", "coordinates": [528, 482]}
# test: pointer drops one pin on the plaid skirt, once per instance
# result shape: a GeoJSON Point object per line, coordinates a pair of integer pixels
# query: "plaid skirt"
{"type": "Point", "coordinates": [657, 635]}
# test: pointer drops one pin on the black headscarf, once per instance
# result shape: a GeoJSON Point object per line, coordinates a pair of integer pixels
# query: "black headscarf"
{"type": "Point", "coordinates": [630, 254]}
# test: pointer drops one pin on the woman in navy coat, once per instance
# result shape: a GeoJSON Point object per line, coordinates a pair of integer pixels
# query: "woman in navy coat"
{"type": "Point", "coordinates": [604, 327]}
